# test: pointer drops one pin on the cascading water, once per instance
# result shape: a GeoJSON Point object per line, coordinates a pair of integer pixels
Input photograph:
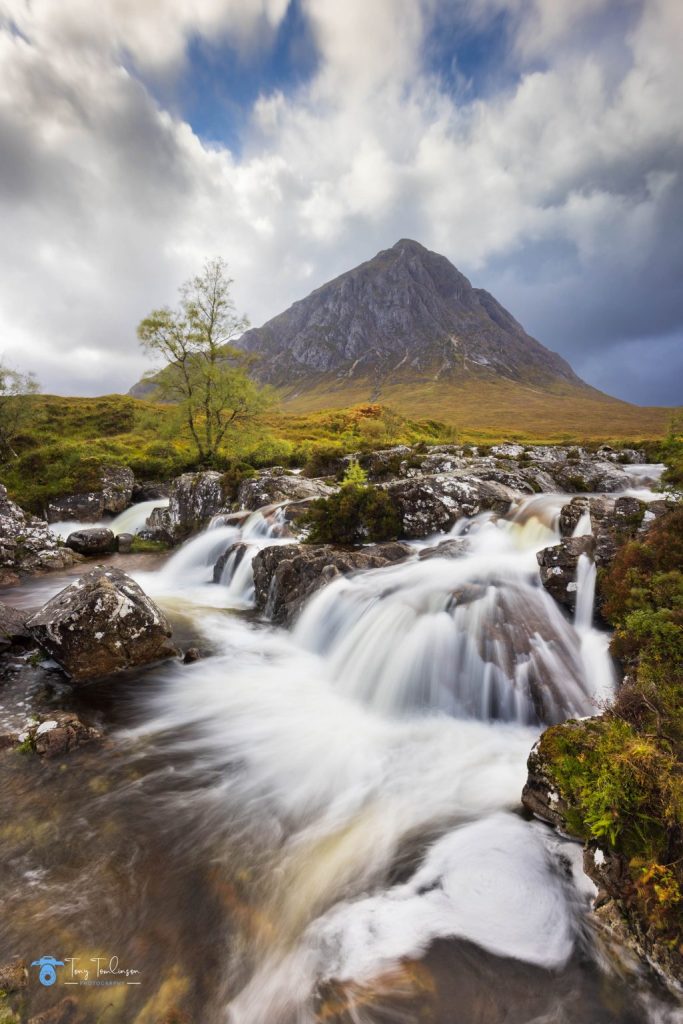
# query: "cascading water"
{"type": "Point", "coordinates": [351, 791]}
{"type": "Point", "coordinates": [131, 520]}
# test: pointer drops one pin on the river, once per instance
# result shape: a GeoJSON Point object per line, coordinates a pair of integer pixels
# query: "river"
{"type": "Point", "coordinates": [322, 824]}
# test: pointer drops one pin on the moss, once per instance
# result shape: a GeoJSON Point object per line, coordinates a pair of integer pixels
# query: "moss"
{"type": "Point", "coordinates": [140, 545]}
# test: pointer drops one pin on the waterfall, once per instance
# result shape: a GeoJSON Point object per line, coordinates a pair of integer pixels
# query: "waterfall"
{"type": "Point", "coordinates": [131, 520]}
{"type": "Point", "coordinates": [585, 592]}
{"type": "Point", "coordinates": [474, 636]}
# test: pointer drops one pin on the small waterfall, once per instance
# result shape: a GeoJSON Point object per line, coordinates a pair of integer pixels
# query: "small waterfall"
{"type": "Point", "coordinates": [585, 592]}
{"type": "Point", "coordinates": [193, 563]}
{"type": "Point", "coordinates": [584, 527]}
{"type": "Point", "coordinates": [474, 636]}
{"type": "Point", "coordinates": [133, 519]}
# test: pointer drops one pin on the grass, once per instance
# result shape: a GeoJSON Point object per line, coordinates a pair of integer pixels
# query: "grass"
{"type": "Point", "coordinates": [70, 438]}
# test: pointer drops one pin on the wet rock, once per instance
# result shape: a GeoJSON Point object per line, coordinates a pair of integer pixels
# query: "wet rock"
{"type": "Point", "coordinates": [27, 545]}
{"type": "Point", "coordinates": [540, 795]}
{"type": "Point", "coordinates": [102, 624]}
{"type": "Point", "coordinates": [13, 630]}
{"type": "Point", "coordinates": [456, 547]}
{"type": "Point", "coordinates": [194, 500]}
{"type": "Point", "coordinates": [558, 568]}
{"type": "Point", "coordinates": [271, 488]}
{"type": "Point", "coordinates": [433, 504]}
{"type": "Point", "coordinates": [285, 576]}
{"type": "Point", "coordinates": [159, 526]}
{"type": "Point", "coordinates": [111, 496]}
{"type": "Point", "coordinates": [571, 513]}
{"type": "Point", "coordinates": [56, 734]}
{"type": "Point", "coordinates": [590, 475]}
{"type": "Point", "coordinates": [124, 543]}
{"type": "Point", "coordinates": [13, 976]}
{"type": "Point", "coordinates": [150, 490]}
{"type": "Point", "coordinates": [191, 654]}
{"type": "Point", "coordinates": [96, 541]}
{"type": "Point", "coordinates": [236, 551]}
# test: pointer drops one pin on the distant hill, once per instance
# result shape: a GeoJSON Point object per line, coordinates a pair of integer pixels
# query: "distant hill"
{"type": "Point", "coordinates": [407, 329]}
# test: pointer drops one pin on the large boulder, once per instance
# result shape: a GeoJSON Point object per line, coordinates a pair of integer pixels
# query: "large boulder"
{"type": "Point", "coordinates": [101, 624]}
{"type": "Point", "coordinates": [27, 545]}
{"type": "Point", "coordinates": [590, 474]}
{"type": "Point", "coordinates": [558, 565]}
{"type": "Point", "coordinates": [286, 575]}
{"type": "Point", "coordinates": [432, 504]}
{"type": "Point", "coordinates": [274, 488]}
{"type": "Point", "coordinates": [95, 541]}
{"type": "Point", "coordinates": [195, 499]}
{"type": "Point", "coordinates": [113, 494]}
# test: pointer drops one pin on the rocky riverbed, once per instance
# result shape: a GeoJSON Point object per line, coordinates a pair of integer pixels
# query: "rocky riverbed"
{"type": "Point", "coordinates": [321, 821]}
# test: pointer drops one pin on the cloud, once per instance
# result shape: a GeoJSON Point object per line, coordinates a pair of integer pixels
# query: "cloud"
{"type": "Point", "coordinates": [559, 190]}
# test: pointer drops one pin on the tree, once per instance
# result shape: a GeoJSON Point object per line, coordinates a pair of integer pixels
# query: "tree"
{"type": "Point", "coordinates": [203, 372]}
{"type": "Point", "coordinates": [16, 406]}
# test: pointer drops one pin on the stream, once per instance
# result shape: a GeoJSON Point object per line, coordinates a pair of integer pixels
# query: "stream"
{"type": "Point", "coordinates": [323, 824]}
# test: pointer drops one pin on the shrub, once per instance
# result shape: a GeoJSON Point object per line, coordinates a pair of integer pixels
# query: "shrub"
{"type": "Point", "coordinates": [355, 515]}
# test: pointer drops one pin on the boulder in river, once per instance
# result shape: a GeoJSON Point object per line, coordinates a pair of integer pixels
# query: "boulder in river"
{"type": "Point", "coordinates": [101, 624]}
{"type": "Point", "coordinates": [112, 495]}
{"type": "Point", "coordinates": [95, 541]}
{"type": "Point", "coordinates": [558, 566]}
{"type": "Point", "coordinates": [57, 733]}
{"type": "Point", "coordinates": [13, 628]}
{"type": "Point", "coordinates": [431, 504]}
{"type": "Point", "coordinates": [286, 575]}
{"type": "Point", "coordinates": [27, 545]}
{"type": "Point", "coordinates": [269, 488]}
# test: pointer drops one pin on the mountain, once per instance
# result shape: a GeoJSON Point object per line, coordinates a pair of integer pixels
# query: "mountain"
{"type": "Point", "coordinates": [408, 330]}
{"type": "Point", "coordinates": [405, 315]}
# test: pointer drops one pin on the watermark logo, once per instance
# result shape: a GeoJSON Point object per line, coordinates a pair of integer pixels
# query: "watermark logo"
{"type": "Point", "coordinates": [96, 970]}
{"type": "Point", "coordinates": [48, 974]}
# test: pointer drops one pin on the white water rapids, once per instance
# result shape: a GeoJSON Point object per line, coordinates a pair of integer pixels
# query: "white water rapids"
{"type": "Point", "coordinates": [366, 769]}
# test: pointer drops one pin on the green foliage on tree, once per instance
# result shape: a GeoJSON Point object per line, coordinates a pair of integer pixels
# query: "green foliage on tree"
{"type": "Point", "coordinates": [16, 406]}
{"type": "Point", "coordinates": [355, 475]}
{"type": "Point", "coordinates": [203, 373]}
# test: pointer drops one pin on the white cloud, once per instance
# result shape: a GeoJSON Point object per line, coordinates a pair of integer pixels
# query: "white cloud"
{"type": "Point", "coordinates": [108, 201]}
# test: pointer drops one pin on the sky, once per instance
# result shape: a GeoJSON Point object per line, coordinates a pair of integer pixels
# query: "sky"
{"type": "Point", "coordinates": [538, 144]}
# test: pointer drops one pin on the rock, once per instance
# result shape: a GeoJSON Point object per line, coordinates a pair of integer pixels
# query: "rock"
{"type": "Point", "coordinates": [272, 489]}
{"type": "Point", "coordinates": [239, 550]}
{"type": "Point", "coordinates": [389, 462]}
{"type": "Point", "coordinates": [195, 499]}
{"type": "Point", "coordinates": [191, 654]}
{"type": "Point", "coordinates": [124, 543]}
{"type": "Point", "coordinates": [540, 795]}
{"type": "Point", "coordinates": [27, 545]}
{"type": "Point", "coordinates": [13, 976]}
{"type": "Point", "coordinates": [111, 496]}
{"type": "Point", "coordinates": [150, 490]}
{"type": "Point", "coordinates": [101, 624]}
{"type": "Point", "coordinates": [96, 541]}
{"type": "Point", "coordinates": [57, 734]}
{"type": "Point", "coordinates": [433, 504]}
{"type": "Point", "coordinates": [286, 575]}
{"type": "Point", "coordinates": [558, 568]}
{"type": "Point", "coordinates": [571, 513]}
{"type": "Point", "coordinates": [455, 547]}
{"type": "Point", "coordinates": [13, 630]}
{"type": "Point", "coordinates": [159, 526]}
{"type": "Point", "coordinates": [591, 475]}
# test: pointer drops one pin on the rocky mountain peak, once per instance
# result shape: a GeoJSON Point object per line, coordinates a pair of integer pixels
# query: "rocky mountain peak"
{"type": "Point", "coordinates": [408, 315]}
